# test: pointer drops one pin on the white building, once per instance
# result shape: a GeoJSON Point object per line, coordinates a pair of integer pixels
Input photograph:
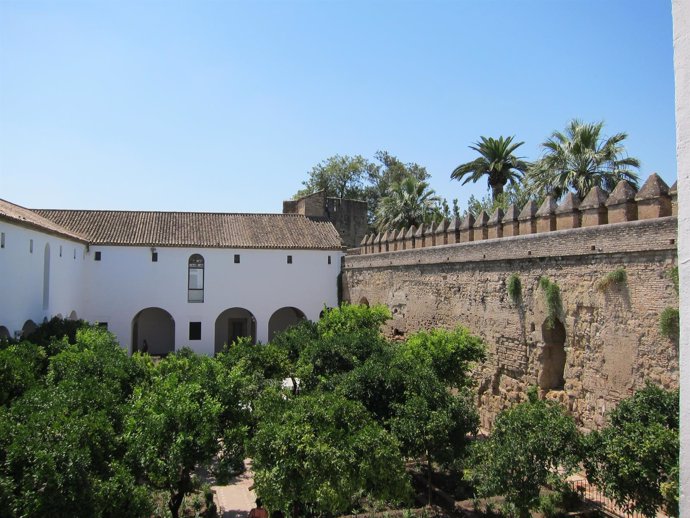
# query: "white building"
{"type": "Point", "coordinates": [164, 280]}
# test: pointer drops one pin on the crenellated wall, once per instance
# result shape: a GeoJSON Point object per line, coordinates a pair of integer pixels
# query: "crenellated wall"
{"type": "Point", "coordinates": [654, 200]}
{"type": "Point", "coordinates": [605, 342]}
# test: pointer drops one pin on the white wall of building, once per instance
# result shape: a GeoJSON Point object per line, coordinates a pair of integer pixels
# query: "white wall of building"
{"type": "Point", "coordinates": [681, 49]}
{"type": "Point", "coordinates": [125, 281]}
{"type": "Point", "coordinates": [22, 272]}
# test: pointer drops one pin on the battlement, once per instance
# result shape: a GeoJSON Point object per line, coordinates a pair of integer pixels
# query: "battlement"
{"type": "Point", "coordinates": [654, 200]}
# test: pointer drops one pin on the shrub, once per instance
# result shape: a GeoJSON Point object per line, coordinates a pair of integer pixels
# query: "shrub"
{"type": "Point", "coordinates": [552, 295]}
{"type": "Point", "coordinates": [669, 323]}
{"type": "Point", "coordinates": [514, 288]}
{"type": "Point", "coordinates": [617, 276]}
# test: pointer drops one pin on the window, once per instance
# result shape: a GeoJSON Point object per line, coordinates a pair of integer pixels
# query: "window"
{"type": "Point", "coordinates": [329, 259]}
{"type": "Point", "coordinates": [97, 256]}
{"type": "Point", "coordinates": [237, 258]}
{"type": "Point", "coordinates": [195, 330]}
{"type": "Point", "coordinates": [31, 246]}
{"type": "Point", "coordinates": [75, 254]}
{"type": "Point", "coordinates": [2, 240]}
{"type": "Point", "coordinates": [154, 257]}
{"type": "Point", "coordinates": [289, 259]}
{"type": "Point", "coordinates": [60, 250]}
{"type": "Point", "coordinates": [195, 279]}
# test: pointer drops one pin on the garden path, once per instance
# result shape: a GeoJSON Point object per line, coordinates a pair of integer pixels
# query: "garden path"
{"type": "Point", "coordinates": [236, 499]}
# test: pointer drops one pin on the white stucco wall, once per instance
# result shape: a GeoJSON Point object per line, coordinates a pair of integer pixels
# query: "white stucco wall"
{"type": "Point", "coordinates": [681, 47]}
{"type": "Point", "coordinates": [126, 281]}
{"type": "Point", "coordinates": [22, 275]}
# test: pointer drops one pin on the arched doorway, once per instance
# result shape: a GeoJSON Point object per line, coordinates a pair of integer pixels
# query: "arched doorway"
{"type": "Point", "coordinates": [153, 331]}
{"type": "Point", "coordinates": [364, 302]}
{"type": "Point", "coordinates": [28, 328]}
{"type": "Point", "coordinates": [4, 334]}
{"type": "Point", "coordinates": [72, 315]}
{"type": "Point", "coordinates": [232, 324]}
{"type": "Point", "coordinates": [282, 319]}
{"type": "Point", "coordinates": [553, 356]}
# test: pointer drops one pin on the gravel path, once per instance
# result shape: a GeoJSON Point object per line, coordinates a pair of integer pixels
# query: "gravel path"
{"type": "Point", "coordinates": [236, 499]}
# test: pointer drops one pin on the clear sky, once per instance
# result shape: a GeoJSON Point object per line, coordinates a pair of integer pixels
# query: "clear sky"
{"type": "Point", "coordinates": [226, 106]}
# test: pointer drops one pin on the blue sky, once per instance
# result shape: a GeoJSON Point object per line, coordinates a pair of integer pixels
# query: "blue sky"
{"type": "Point", "coordinates": [226, 106]}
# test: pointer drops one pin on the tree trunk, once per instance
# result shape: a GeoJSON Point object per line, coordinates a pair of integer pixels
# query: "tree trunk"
{"type": "Point", "coordinates": [428, 479]}
{"type": "Point", "coordinates": [496, 189]}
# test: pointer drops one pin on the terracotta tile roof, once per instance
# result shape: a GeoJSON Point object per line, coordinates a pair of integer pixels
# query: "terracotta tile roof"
{"type": "Point", "coordinates": [198, 229]}
{"type": "Point", "coordinates": [28, 218]}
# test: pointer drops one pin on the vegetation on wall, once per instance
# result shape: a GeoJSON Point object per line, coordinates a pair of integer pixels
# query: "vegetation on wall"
{"type": "Point", "coordinates": [617, 276]}
{"type": "Point", "coordinates": [669, 320]}
{"type": "Point", "coordinates": [514, 288]}
{"type": "Point", "coordinates": [552, 297]}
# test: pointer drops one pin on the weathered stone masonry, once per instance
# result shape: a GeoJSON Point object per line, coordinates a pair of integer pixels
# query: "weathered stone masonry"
{"type": "Point", "coordinates": [606, 343]}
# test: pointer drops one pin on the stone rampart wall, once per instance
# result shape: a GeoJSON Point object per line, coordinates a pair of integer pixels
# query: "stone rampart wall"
{"type": "Point", "coordinates": [606, 341]}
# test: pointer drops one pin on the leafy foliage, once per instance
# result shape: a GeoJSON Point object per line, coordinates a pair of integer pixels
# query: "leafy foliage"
{"type": "Point", "coordinates": [21, 367]}
{"type": "Point", "coordinates": [410, 202]}
{"type": "Point", "coordinates": [531, 444]}
{"type": "Point", "coordinates": [497, 162]}
{"type": "Point", "coordinates": [635, 458]}
{"type": "Point", "coordinates": [580, 159]}
{"type": "Point", "coordinates": [321, 452]}
{"type": "Point", "coordinates": [171, 429]}
{"type": "Point", "coordinates": [449, 354]}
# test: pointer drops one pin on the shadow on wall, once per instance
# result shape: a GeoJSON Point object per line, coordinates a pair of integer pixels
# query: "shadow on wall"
{"type": "Point", "coordinates": [552, 356]}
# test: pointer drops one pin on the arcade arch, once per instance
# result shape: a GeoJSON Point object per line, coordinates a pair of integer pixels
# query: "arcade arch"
{"type": "Point", "coordinates": [153, 331]}
{"type": "Point", "coordinates": [234, 323]}
{"type": "Point", "coordinates": [284, 318]}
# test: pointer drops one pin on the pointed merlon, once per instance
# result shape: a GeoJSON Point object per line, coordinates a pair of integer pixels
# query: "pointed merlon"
{"type": "Point", "coordinates": [529, 210]}
{"type": "Point", "coordinates": [441, 227]}
{"type": "Point", "coordinates": [496, 217]}
{"type": "Point", "coordinates": [624, 192]}
{"type": "Point", "coordinates": [654, 187]}
{"type": "Point", "coordinates": [595, 198]}
{"type": "Point", "coordinates": [411, 232]}
{"type": "Point", "coordinates": [511, 214]}
{"type": "Point", "coordinates": [548, 207]}
{"type": "Point", "coordinates": [569, 204]}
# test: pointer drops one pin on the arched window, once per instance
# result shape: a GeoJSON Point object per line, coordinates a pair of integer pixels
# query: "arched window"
{"type": "Point", "coordinates": [195, 279]}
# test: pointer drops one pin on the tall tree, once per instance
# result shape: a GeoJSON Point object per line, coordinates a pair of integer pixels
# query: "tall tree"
{"type": "Point", "coordinates": [581, 158]}
{"type": "Point", "coordinates": [340, 176]}
{"type": "Point", "coordinates": [410, 202]}
{"type": "Point", "coordinates": [497, 162]}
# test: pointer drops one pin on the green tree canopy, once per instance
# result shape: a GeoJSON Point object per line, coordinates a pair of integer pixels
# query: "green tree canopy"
{"type": "Point", "coordinates": [321, 453]}
{"type": "Point", "coordinates": [581, 158]}
{"type": "Point", "coordinates": [410, 202]}
{"type": "Point", "coordinates": [496, 161]}
{"type": "Point", "coordinates": [530, 444]}
{"type": "Point", "coordinates": [635, 458]}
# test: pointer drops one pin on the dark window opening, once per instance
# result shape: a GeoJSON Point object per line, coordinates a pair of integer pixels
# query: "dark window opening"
{"type": "Point", "coordinates": [195, 330]}
{"type": "Point", "coordinates": [289, 259]}
{"type": "Point", "coordinates": [31, 246]}
{"type": "Point", "coordinates": [237, 258]}
{"type": "Point", "coordinates": [97, 256]}
{"type": "Point", "coordinates": [60, 250]}
{"type": "Point", "coordinates": [2, 240]}
{"type": "Point", "coordinates": [329, 259]}
{"type": "Point", "coordinates": [154, 257]}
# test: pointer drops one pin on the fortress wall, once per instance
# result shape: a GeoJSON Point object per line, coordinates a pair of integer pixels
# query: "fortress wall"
{"type": "Point", "coordinates": [611, 342]}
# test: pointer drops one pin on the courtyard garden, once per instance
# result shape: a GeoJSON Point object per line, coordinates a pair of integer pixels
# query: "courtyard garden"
{"type": "Point", "coordinates": [336, 418]}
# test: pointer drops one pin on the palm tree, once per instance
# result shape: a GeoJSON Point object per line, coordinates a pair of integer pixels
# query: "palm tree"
{"type": "Point", "coordinates": [409, 202]}
{"type": "Point", "coordinates": [580, 159]}
{"type": "Point", "coordinates": [497, 162]}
